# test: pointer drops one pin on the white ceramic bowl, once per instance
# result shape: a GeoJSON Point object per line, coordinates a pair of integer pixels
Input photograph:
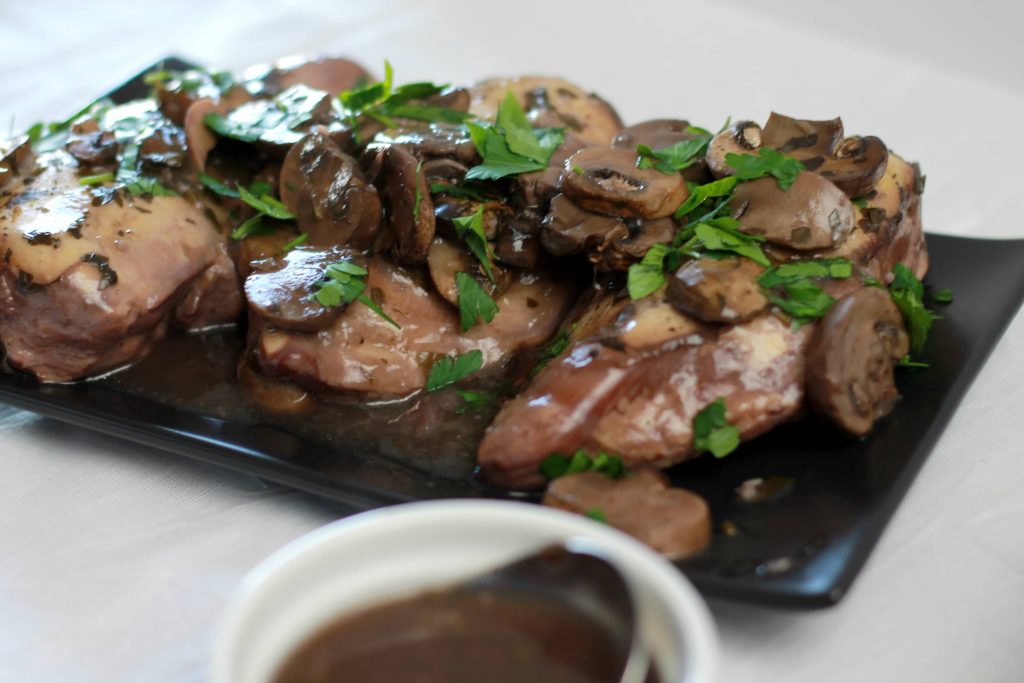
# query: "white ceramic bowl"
{"type": "Point", "coordinates": [399, 551]}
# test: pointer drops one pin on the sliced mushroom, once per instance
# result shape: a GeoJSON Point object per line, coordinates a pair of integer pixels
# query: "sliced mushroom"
{"type": "Point", "coordinates": [857, 165]}
{"type": "Point", "coordinates": [743, 137]}
{"type": "Point", "coordinates": [409, 210]}
{"type": "Point", "coordinates": [803, 139]}
{"type": "Point", "coordinates": [673, 521]}
{"type": "Point", "coordinates": [201, 139]}
{"type": "Point", "coordinates": [538, 187]}
{"type": "Point", "coordinates": [332, 75]}
{"type": "Point", "coordinates": [325, 189]}
{"type": "Point", "coordinates": [446, 259]}
{"type": "Point", "coordinates": [850, 360]}
{"type": "Point", "coordinates": [659, 134]}
{"type": "Point", "coordinates": [568, 229]}
{"type": "Point", "coordinates": [444, 171]}
{"type": "Point", "coordinates": [91, 146]}
{"type": "Point", "coordinates": [718, 290]}
{"type": "Point", "coordinates": [165, 146]}
{"type": "Point", "coordinates": [610, 243]}
{"type": "Point", "coordinates": [550, 102]}
{"type": "Point", "coordinates": [16, 159]}
{"type": "Point", "coordinates": [607, 181]}
{"type": "Point", "coordinates": [518, 248]}
{"type": "Point", "coordinates": [280, 289]}
{"type": "Point", "coordinates": [428, 141]}
{"type": "Point", "coordinates": [812, 214]}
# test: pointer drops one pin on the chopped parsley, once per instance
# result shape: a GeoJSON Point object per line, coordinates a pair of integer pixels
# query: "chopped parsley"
{"type": "Point", "coordinates": [790, 287]}
{"type": "Point", "coordinates": [675, 158]}
{"type": "Point", "coordinates": [555, 348]}
{"type": "Point", "coordinates": [649, 274]}
{"type": "Point", "coordinates": [473, 400]}
{"type": "Point", "coordinates": [558, 465]}
{"type": "Point", "coordinates": [722, 187]}
{"type": "Point", "coordinates": [142, 186]}
{"type": "Point", "coordinates": [596, 514]}
{"type": "Point", "coordinates": [712, 432]}
{"type": "Point", "coordinates": [46, 137]}
{"type": "Point", "coordinates": [907, 293]}
{"type": "Point", "coordinates": [905, 362]}
{"type": "Point", "coordinates": [449, 370]}
{"type": "Point", "coordinates": [470, 230]}
{"type": "Point", "coordinates": [511, 146]}
{"type": "Point", "coordinates": [474, 302]}
{"type": "Point", "coordinates": [720, 236]}
{"type": "Point", "coordinates": [252, 226]}
{"type": "Point", "coordinates": [943, 296]}
{"type": "Point", "coordinates": [860, 202]}
{"type": "Point", "coordinates": [266, 205]}
{"type": "Point", "coordinates": [96, 179]}
{"type": "Point", "coordinates": [345, 281]}
{"type": "Point", "coordinates": [271, 120]}
{"type": "Point", "coordinates": [474, 191]}
{"type": "Point", "coordinates": [301, 239]}
{"type": "Point", "coordinates": [771, 162]}
{"type": "Point", "coordinates": [218, 187]}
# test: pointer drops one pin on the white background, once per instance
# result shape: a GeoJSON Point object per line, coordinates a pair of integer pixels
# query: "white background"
{"type": "Point", "coordinates": [116, 561]}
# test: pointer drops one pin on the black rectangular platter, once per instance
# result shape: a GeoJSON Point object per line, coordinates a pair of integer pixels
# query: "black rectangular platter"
{"type": "Point", "coordinates": [802, 548]}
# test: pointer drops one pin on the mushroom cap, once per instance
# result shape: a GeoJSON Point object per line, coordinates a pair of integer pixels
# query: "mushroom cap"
{"type": "Point", "coordinates": [330, 74]}
{"type": "Point", "coordinates": [445, 259]}
{"type": "Point", "coordinates": [409, 209]}
{"type": "Point", "coordinates": [659, 134]}
{"type": "Point", "coordinates": [568, 229]}
{"type": "Point", "coordinates": [812, 214]}
{"type": "Point", "coordinates": [718, 290]}
{"type": "Point", "coordinates": [802, 139]}
{"type": "Point", "coordinates": [279, 289]}
{"type": "Point", "coordinates": [326, 190]}
{"type": "Point", "coordinates": [857, 165]}
{"type": "Point", "coordinates": [850, 360]}
{"type": "Point", "coordinates": [743, 137]}
{"type": "Point", "coordinates": [429, 140]}
{"type": "Point", "coordinates": [550, 102]}
{"type": "Point", "coordinates": [607, 180]}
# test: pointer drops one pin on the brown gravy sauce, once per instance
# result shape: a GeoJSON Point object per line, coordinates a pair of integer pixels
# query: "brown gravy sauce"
{"type": "Point", "coordinates": [461, 635]}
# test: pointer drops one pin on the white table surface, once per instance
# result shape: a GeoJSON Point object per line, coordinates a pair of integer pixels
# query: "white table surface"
{"type": "Point", "coordinates": [116, 561]}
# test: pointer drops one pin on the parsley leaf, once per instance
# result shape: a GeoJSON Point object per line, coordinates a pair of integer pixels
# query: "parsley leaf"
{"type": "Point", "coordinates": [474, 191]}
{"type": "Point", "coordinates": [266, 205]}
{"type": "Point", "coordinates": [837, 269]}
{"type": "Point", "coordinates": [511, 146]}
{"type": "Point", "coordinates": [596, 514]}
{"type": "Point", "coordinates": [218, 187]}
{"type": "Point", "coordinates": [905, 362]}
{"type": "Point", "coordinates": [943, 296]}
{"type": "Point", "coordinates": [345, 281]}
{"type": "Point", "coordinates": [785, 169]}
{"type": "Point", "coordinates": [789, 286]}
{"type": "Point", "coordinates": [474, 302]}
{"type": "Point", "coordinates": [474, 400]}
{"type": "Point", "coordinates": [723, 235]}
{"type": "Point", "coordinates": [722, 187]}
{"type": "Point", "coordinates": [252, 226]}
{"type": "Point", "coordinates": [555, 348]}
{"type": "Point", "coordinates": [301, 239]}
{"type": "Point", "coordinates": [470, 230]}
{"type": "Point", "coordinates": [648, 275]}
{"type": "Point", "coordinates": [712, 432]}
{"type": "Point", "coordinates": [675, 158]}
{"type": "Point", "coordinates": [558, 465]}
{"type": "Point", "coordinates": [449, 370]}
{"type": "Point", "coordinates": [96, 179]}
{"type": "Point", "coordinates": [803, 300]}
{"type": "Point", "coordinates": [271, 120]}
{"type": "Point", "coordinates": [907, 293]}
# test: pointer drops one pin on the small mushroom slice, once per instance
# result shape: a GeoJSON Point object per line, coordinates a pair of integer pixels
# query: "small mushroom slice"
{"type": "Point", "coordinates": [535, 189]}
{"type": "Point", "coordinates": [332, 75]}
{"type": "Point", "coordinates": [568, 229]}
{"type": "Point", "coordinates": [444, 171]}
{"type": "Point", "coordinates": [659, 134]}
{"type": "Point", "coordinates": [622, 251]}
{"type": "Point", "coordinates": [518, 248]}
{"type": "Point", "coordinates": [445, 259]}
{"type": "Point", "coordinates": [857, 165]}
{"type": "Point", "coordinates": [743, 137]}
{"type": "Point", "coordinates": [607, 181]}
{"type": "Point", "coordinates": [325, 189]}
{"type": "Point", "coordinates": [803, 139]}
{"type": "Point", "coordinates": [550, 102]}
{"type": "Point", "coordinates": [850, 360]}
{"type": "Point", "coordinates": [812, 214]}
{"type": "Point", "coordinates": [409, 209]}
{"type": "Point", "coordinates": [428, 141]}
{"type": "Point", "coordinates": [673, 521]}
{"type": "Point", "coordinates": [90, 146]}
{"type": "Point", "coordinates": [280, 290]}
{"type": "Point", "coordinates": [718, 290]}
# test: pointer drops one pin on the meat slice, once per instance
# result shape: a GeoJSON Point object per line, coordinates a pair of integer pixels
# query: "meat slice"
{"type": "Point", "coordinates": [641, 404]}
{"type": "Point", "coordinates": [90, 279]}
{"type": "Point", "coordinates": [361, 352]}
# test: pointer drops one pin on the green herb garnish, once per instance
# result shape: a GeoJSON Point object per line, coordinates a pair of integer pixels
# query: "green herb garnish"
{"type": "Point", "coordinates": [721, 235]}
{"type": "Point", "coordinates": [558, 465]}
{"type": "Point", "coordinates": [722, 187]}
{"type": "Point", "coordinates": [511, 146]}
{"type": "Point", "coordinates": [905, 362]}
{"type": "Point", "coordinates": [907, 293]}
{"type": "Point", "coordinates": [596, 514]}
{"type": "Point", "coordinates": [712, 432]}
{"type": "Point", "coordinates": [266, 205]}
{"type": "Point", "coordinates": [252, 226]}
{"type": "Point", "coordinates": [675, 158]}
{"type": "Point", "coordinates": [785, 169]}
{"type": "Point", "coordinates": [218, 187]}
{"type": "Point", "coordinates": [301, 239]}
{"type": "Point", "coordinates": [474, 191]}
{"type": "Point", "coordinates": [474, 302]}
{"type": "Point", "coordinates": [648, 275]}
{"type": "Point", "coordinates": [474, 400]}
{"type": "Point", "coordinates": [943, 296]}
{"type": "Point", "coordinates": [449, 370]}
{"type": "Point", "coordinates": [789, 286]}
{"type": "Point", "coordinates": [555, 348]}
{"type": "Point", "coordinates": [470, 230]}
{"type": "Point", "coordinates": [98, 179]}
{"type": "Point", "coordinates": [345, 281]}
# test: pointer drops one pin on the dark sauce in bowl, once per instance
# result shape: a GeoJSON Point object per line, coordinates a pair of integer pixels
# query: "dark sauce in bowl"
{"type": "Point", "coordinates": [461, 635]}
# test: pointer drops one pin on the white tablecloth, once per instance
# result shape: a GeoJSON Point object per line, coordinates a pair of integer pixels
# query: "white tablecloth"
{"type": "Point", "coordinates": [116, 560]}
